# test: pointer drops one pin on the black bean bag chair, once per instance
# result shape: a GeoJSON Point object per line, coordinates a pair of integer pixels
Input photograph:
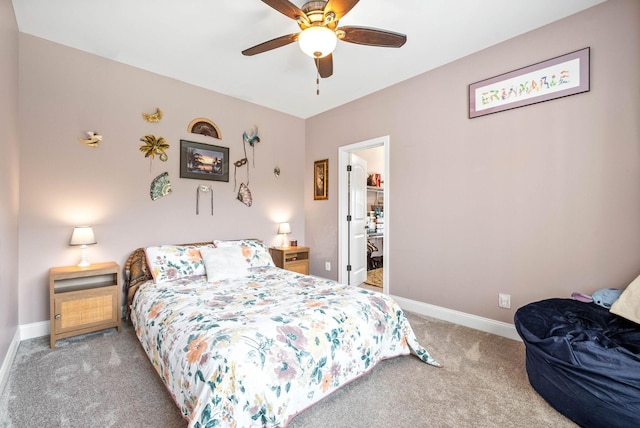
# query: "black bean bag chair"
{"type": "Point", "coordinates": [583, 360]}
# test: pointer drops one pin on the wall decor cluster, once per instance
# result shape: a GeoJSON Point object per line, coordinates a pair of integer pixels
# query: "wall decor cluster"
{"type": "Point", "coordinates": [204, 161]}
{"type": "Point", "coordinates": [321, 179]}
{"type": "Point", "coordinates": [93, 140]}
{"type": "Point", "coordinates": [205, 127]}
{"type": "Point", "coordinates": [160, 186]}
{"type": "Point", "coordinates": [200, 161]}
{"type": "Point", "coordinates": [547, 80]}
{"type": "Point", "coordinates": [153, 117]}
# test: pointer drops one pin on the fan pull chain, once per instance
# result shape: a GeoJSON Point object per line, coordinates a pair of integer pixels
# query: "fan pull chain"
{"type": "Point", "coordinates": [317, 76]}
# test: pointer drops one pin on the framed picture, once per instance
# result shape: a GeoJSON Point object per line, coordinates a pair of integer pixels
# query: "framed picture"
{"type": "Point", "coordinates": [204, 161]}
{"type": "Point", "coordinates": [321, 179]}
{"type": "Point", "coordinates": [547, 80]}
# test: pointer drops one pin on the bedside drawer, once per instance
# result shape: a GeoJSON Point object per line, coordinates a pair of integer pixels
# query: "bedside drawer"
{"type": "Point", "coordinates": [300, 266]}
{"type": "Point", "coordinates": [76, 310]}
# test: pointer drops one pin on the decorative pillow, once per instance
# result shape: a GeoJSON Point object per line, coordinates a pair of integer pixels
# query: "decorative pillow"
{"type": "Point", "coordinates": [169, 262]}
{"type": "Point", "coordinates": [224, 262]}
{"type": "Point", "coordinates": [254, 251]}
{"type": "Point", "coordinates": [628, 304]}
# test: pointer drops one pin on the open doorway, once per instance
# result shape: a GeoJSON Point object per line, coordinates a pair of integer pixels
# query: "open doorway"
{"type": "Point", "coordinates": [377, 232]}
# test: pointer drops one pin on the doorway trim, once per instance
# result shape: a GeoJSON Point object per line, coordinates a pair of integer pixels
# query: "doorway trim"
{"type": "Point", "coordinates": [343, 206]}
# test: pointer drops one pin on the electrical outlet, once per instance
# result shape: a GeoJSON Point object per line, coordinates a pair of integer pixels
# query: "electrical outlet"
{"type": "Point", "coordinates": [327, 265]}
{"type": "Point", "coordinates": [504, 300]}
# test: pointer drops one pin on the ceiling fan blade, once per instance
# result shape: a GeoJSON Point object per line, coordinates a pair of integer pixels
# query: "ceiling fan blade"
{"type": "Point", "coordinates": [271, 44]}
{"type": "Point", "coordinates": [340, 7]}
{"type": "Point", "coordinates": [373, 37]}
{"type": "Point", "coordinates": [286, 8]}
{"type": "Point", "coordinates": [325, 66]}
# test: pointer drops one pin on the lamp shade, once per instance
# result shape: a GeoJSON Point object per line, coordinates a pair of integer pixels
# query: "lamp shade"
{"type": "Point", "coordinates": [317, 42]}
{"type": "Point", "coordinates": [83, 235]}
{"type": "Point", "coordinates": [284, 228]}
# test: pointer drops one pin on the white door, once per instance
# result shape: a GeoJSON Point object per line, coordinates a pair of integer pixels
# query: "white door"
{"type": "Point", "coordinates": [357, 264]}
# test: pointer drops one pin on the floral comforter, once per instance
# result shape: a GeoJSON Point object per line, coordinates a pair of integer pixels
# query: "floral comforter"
{"type": "Point", "coordinates": [257, 350]}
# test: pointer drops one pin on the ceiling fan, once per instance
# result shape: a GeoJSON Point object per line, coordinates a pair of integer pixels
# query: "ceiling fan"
{"type": "Point", "coordinates": [318, 21]}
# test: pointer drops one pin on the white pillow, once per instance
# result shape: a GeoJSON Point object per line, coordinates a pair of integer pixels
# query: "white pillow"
{"type": "Point", "coordinates": [224, 262]}
{"type": "Point", "coordinates": [628, 304]}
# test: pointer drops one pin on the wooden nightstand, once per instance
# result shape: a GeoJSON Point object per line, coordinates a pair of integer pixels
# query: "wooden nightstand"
{"type": "Point", "coordinates": [295, 259]}
{"type": "Point", "coordinates": [84, 299]}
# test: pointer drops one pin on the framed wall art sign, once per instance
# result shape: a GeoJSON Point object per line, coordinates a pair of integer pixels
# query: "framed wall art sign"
{"type": "Point", "coordinates": [321, 179]}
{"type": "Point", "coordinates": [547, 80]}
{"type": "Point", "coordinates": [204, 161]}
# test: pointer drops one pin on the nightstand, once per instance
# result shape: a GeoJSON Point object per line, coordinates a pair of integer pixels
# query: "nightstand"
{"type": "Point", "coordinates": [84, 299]}
{"type": "Point", "coordinates": [295, 259]}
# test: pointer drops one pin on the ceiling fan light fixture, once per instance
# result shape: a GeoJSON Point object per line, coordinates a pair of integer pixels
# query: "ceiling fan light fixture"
{"type": "Point", "coordinates": [317, 41]}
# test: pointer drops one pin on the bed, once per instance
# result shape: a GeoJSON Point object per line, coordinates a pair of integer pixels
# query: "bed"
{"type": "Point", "coordinates": [239, 342]}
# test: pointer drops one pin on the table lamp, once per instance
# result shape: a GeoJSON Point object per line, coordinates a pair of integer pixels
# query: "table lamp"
{"type": "Point", "coordinates": [83, 236]}
{"type": "Point", "coordinates": [284, 229]}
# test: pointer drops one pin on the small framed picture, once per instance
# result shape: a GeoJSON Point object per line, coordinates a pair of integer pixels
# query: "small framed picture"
{"type": "Point", "coordinates": [321, 179]}
{"type": "Point", "coordinates": [204, 161]}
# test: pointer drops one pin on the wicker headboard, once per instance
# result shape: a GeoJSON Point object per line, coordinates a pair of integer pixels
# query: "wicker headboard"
{"type": "Point", "coordinates": [136, 272]}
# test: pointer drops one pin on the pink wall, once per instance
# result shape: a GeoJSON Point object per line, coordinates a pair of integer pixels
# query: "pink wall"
{"type": "Point", "coordinates": [536, 202]}
{"type": "Point", "coordinates": [65, 92]}
{"type": "Point", "coordinates": [8, 176]}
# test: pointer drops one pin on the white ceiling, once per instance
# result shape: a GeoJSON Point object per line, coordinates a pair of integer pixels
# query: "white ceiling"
{"type": "Point", "coordinates": [199, 41]}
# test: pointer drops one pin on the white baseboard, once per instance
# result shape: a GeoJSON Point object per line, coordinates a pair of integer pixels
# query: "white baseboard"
{"type": "Point", "coordinates": [472, 321]}
{"type": "Point", "coordinates": [8, 360]}
{"type": "Point", "coordinates": [23, 332]}
{"type": "Point", "coordinates": [35, 329]}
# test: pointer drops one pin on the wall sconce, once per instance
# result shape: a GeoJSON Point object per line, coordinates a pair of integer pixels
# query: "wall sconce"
{"type": "Point", "coordinates": [284, 229]}
{"type": "Point", "coordinates": [83, 236]}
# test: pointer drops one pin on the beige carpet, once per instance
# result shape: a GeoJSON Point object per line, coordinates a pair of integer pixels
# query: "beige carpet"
{"type": "Point", "coordinates": [374, 277]}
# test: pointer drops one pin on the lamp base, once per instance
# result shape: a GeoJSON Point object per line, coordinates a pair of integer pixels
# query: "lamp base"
{"type": "Point", "coordinates": [83, 257]}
